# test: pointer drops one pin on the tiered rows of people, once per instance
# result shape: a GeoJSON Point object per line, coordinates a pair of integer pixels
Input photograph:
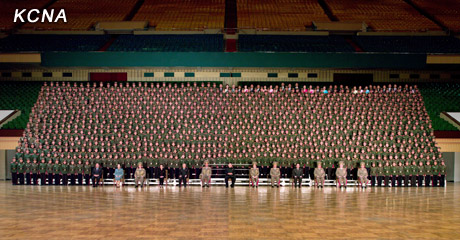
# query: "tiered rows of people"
{"type": "Point", "coordinates": [175, 124]}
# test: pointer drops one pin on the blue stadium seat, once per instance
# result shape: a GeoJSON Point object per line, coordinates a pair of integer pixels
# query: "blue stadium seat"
{"type": "Point", "coordinates": [49, 43]}
{"type": "Point", "coordinates": [292, 43]}
{"type": "Point", "coordinates": [169, 43]}
{"type": "Point", "coordinates": [409, 44]}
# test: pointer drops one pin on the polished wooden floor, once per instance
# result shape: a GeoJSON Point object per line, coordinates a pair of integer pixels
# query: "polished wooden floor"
{"type": "Point", "coordinates": [77, 212]}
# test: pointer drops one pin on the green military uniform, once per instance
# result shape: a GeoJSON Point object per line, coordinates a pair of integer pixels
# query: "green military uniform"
{"type": "Point", "coordinates": [319, 176]}
{"type": "Point", "coordinates": [275, 174]}
{"type": "Point", "coordinates": [254, 176]}
{"type": "Point", "coordinates": [362, 175]}
{"type": "Point", "coordinates": [205, 176]}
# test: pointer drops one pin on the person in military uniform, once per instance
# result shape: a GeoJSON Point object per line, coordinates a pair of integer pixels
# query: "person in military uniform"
{"type": "Point", "coordinates": [373, 174]}
{"type": "Point", "coordinates": [275, 175]}
{"type": "Point", "coordinates": [139, 175]}
{"type": "Point", "coordinates": [205, 175]}
{"type": "Point", "coordinates": [72, 171]}
{"type": "Point", "coordinates": [394, 174]}
{"type": "Point", "coordinates": [341, 174]}
{"type": "Point", "coordinates": [34, 170]}
{"type": "Point", "coordinates": [387, 173]}
{"type": "Point", "coordinates": [400, 173]}
{"type": "Point", "coordinates": [420, 172]}
{"type": "Point", "coordinates": [435, 172]}
{"type": "Point", "coordinates": [42, 171]}
{"type": "Point", "coordinates": [56, 173]}
{"type": "Point", "coordinates": [79, 172]}
{"type": "Point", "coordinates": [442, 174]}
{"type": "Point", "coordinates": [427, 173]}
{"type": "Point", "coordinates": [297, 173]}
{"type": "Point", "coordinates": [230, 174]}
{"type": "Point", "coordinates": [254, 175]}
{"type": "Point", "coordinates": [414, 174]}
{"type": "Point", "coordinates": [184, 174]}
{"type": "Point", "coordinates": [14, 171]}
{"type": "Point", "coordinates": [87, 172]}
{"type": "Point", "coordinates": [65, 172]}
{"type": "Point", "coordinates": [380, 174]}
{"type": "Point", "coordinates": [49, 171]}
{"type": "Point", "coordinates": [319, 175]}
{"type": "Point", "coordinates": [362, 175]}
{"type": "Point", "coordinates": [21, 171]}
{"type": "Point", "coordinates": [28, 167]}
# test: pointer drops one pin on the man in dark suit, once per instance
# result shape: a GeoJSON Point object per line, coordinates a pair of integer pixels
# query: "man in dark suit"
{"type": "Point", "coordinates": [97, 173]}
{"type": "Point", "coordinates": [230, 174]}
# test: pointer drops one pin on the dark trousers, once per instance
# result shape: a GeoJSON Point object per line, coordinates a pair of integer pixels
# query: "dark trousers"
{"type": "Point", "coordinates": [183, 180]}
{"type": "Point", "coordinates": [57, 179]}
{"type": "Point", "coordinates": [96, 181]}
{"type": "Point", "coordinates": [111, 172]}
{"type": "Point", "coordinates": [400, 178]}
{"type": "Point", "coordinates": [297, 180]}
{"type": "Point", "coordinates": [80, 179]}
{"type": "Point", "coordinates": [312, 173]}
{"type": "Point", "coordinates": [50, 179]}
{"type": "Point", "coordinates": [72, 179]}
{"type": "Point", "coordinates": [379, 181]}
{"type": "Point", "coordinates": [330, 171]}
{"type": "Point", "coordinates": [435, 180]}
{"type": "Point", "coordinates": [162, 180]}
{"type": "Point", "coordinates": [427, 180]}
{"type": "Point", "coordinates": [387, 179]}
{"type": "Point", "coordinates": [42, 179]}
{"type": "Point", "coordinates": [406, 180]}
{"type": "Point", "coordinates": [65, 178]}
{"type": "Point", "coordinates": [151, 172]}
{"type": "Point", "coordinates": [127, 172]}
{"type": "Point", "coordinates": [442, 180]}
{"type": "Point", "coordinates": [349, 174]}
{"type": "Point", "coordinates": [14, 178]}
{"type": "Point", "coordinates": [233, 178]}
{"type": "Point", "coordinates": [21, 178]}
{"type": "Point", "coordinates": [105, 171]}
{"type": "Point", "coordinates": [28, 177]}
{"type": "Point", "coordinates": [393, 180]}
{"type": "Point", "coordinates": [420, 180]}
{"type": "Point", "coordinates": [413, 180]}
{"type": "Point", "coordinates": [87, 179]}
{"type": "Point", "coordinates": [373, 181]}
{"type": "Point", "coordinates": [306, 172]}
{"type": "Point", "coordinates": [34, 178]}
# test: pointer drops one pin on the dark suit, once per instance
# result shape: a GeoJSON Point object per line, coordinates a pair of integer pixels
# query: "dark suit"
{"type": "Point", "coordinates": [230, 174]}
{"type": "Point", "coordinates": [183, 175]}
{"type": "Point", "coordinates": [97, 173]}
{"type": "Point", "coordinates": [297, 175]}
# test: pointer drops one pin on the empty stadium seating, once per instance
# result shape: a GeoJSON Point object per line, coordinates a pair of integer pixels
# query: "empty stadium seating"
{"type": "Point", "coordinates": [45, 42]}
{"type": "Point", "coordinates": [18, 96]}
{"type": "Point", "coordinates": [382, 15]}
{"type": "Point", "coordinates": [84, 14]}
{"type": "Point", "coordinates": [169, 43]}
{"type": "Point", "coordinates": [445, 11]}
{"type": "Point", "coordinates": [170, 15]}
{"type": "Point", "coordinates": [431, 44]}
{"type": "Point", "coordinates": [292, 15]}
{"type": "Point", "coordinates": [292, 43]}
{"type": "Point", "coordinates": [241, 124]}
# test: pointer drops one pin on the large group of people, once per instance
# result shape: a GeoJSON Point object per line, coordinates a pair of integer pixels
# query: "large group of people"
{"type": "Point", "coordinates": [172, 129]}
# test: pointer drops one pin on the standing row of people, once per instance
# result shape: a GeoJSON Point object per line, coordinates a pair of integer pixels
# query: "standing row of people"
{"type": "Point", "coordinates": [57, 173]}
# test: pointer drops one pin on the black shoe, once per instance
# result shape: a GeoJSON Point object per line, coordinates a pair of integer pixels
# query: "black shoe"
{"type": "Point", "coordinates": [136, 186]}
{"type": "Point", "coordinates": [278, 186]}
{"type": "Point", "coordinates": [232, 186]}
{"type": "Point", "coordinates": [273, 186]}
{"type": "Point", "coordinates": [226, 186]}
{"type": "Point", "coordinates": [203, 186]}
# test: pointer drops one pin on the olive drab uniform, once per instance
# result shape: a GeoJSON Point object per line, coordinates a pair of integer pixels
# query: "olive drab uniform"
{"type": "Point", "coordinates": [254, 176]}
{"type": "Point", "coordinates": [139, 176]}
{"type": "Point", "coordinates": [341, 174]}
{"type": "Point", "coordinates": [275, 174]}
{"type": "Point", "coordinates": [319, 176]}
{"type": "Point", "coordinates": [205, 176]}
{"type": "Point", "coordinates": [14, 172]}
{"type": "Point", "coordinates": [362, 176]}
